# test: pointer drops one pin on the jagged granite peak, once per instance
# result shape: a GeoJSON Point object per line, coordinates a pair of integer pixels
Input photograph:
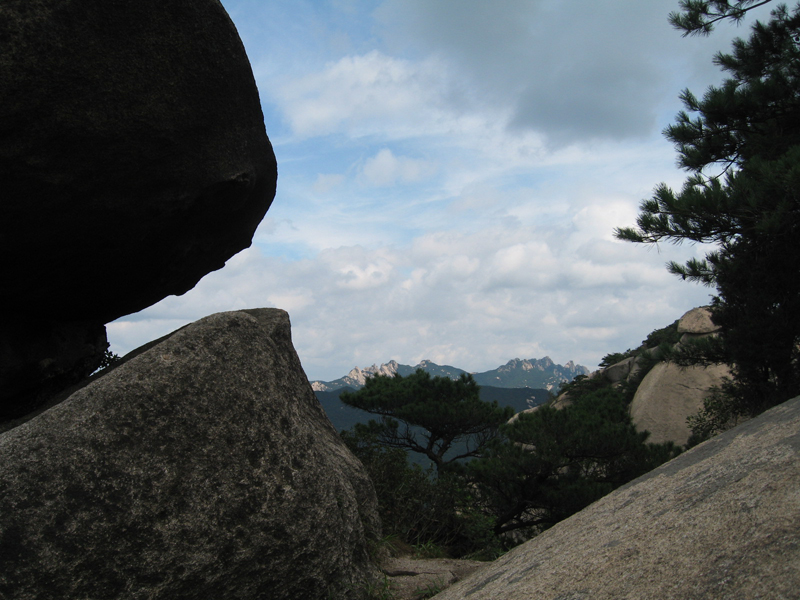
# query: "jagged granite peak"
{"type": "Point", "coordinates": [517, 373]}
{"type": "Point", "coordinates": [532, 373]}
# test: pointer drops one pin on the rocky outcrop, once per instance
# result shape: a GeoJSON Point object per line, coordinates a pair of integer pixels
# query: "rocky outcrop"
{"type": "Point", "coordinates": [134, 160]}
{"type": "Point", "coordinates": [696, 323]}
{"type": "Point", "coordinates": [719, 522]}
{"type": "Point", "coordinates": [39, 359]}
{"type": "Point", "coordinates": [356, 378]}
{"type": "Point", "coordinates": [669, 394]}
{"type": "Point", "coordinates": [201, 468]}
{"type": "Point", "coordinates": [534, 373]}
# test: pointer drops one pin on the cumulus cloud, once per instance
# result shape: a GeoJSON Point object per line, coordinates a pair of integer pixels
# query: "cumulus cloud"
{"type": "Point", "coordinates": [472, 300]}
{"type": "Point", "coordinates": [572, 72]}
{"type": "Point", "coordinates": [365, 93]}
{"type": "Point", "coordinates": [386, 169]}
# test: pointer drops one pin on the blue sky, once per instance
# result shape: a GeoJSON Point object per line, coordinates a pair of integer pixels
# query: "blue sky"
{"type": "Point", "coordinates": [450, 175]}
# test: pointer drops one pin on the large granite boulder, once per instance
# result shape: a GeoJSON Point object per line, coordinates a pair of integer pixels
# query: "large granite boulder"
{"type": "Point", "coordinates": [134, 160]}
{"type": "Point", "coordinates": [697, 323]}
{"type": "Point", "coordinates": [669, 394]}
{"type": "Point", "coordinates": [204, 467]}
{"type": "Point", "coordinates": [720, 522]}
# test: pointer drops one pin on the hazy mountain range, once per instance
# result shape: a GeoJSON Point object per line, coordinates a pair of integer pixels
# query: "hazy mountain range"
{"type": "Point", "coordinates": [517, 373]}
{"type": "Point", "coordinates": [520, 384]}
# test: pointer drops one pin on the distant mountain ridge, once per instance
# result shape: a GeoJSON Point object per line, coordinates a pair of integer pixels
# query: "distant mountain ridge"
{"type": "Point", "coordinates": [517, 373]}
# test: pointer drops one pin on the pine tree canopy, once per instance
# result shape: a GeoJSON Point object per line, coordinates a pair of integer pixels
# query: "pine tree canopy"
{"type": "Point", "coordinates": [554, 462]}
{"type": "Point", "coordinates": [429, 415]}
{"type": "Point", "coordinates": [740, 143]}
{"type": "Point", "coordinates": [697, 17]}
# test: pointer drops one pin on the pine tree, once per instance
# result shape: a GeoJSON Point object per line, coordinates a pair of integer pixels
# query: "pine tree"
{"type": "Point", "coordinates": [699, 16]}
{"type": "Point", "coordinates": [741, 145]}
{"type": "Point", "coordinates": [554, 462]}
{"type": "Point", "coordinates": [440, 418]}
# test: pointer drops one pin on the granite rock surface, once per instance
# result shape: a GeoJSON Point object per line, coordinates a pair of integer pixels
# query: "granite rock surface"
{"type": "Point", "coordinates": [203, 467]}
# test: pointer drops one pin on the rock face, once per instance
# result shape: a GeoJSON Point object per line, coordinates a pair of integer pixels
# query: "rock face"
{"type": "Point", "coordinates": [669, 394]}
{"type": "Point", "coordinates": [39, 359]}
{"type": "Point", "coordinates": [697, 323]}
{"type": "Point", "coordinates": [410, 578]}
{"type": "Point", "coordinates": [719, 522]}
{"type": "Point", "coordinates": [201, 468]}
{"type": "Point", "coordinates": [134, 160]}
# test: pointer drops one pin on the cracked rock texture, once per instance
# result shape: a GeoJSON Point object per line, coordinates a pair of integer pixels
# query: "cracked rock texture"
{"type": "Point", "coordinates": [203, 467]}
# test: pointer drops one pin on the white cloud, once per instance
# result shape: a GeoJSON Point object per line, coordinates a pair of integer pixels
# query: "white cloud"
{"type": "Point", "coordinates": [364, 94]}
{"type": "Point", "coordinates": [327, 182]}
{"type": "Point", "coordinates": [385, 169]}
{"type": "Point", "coordinates": [472, 300]}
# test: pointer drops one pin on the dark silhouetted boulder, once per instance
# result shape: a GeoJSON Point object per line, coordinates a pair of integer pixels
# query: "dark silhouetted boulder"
{"type": "Point", "coordinates": [133, 159]}
{"type": "Point", "coordinates": [204, 467]}
{"type": "Point", "coordinates": [720, 522]}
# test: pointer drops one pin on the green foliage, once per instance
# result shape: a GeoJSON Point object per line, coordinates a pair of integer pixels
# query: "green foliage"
{"type": "Point", "coordinates": [583, 384]}
{"type": "Point", "coordinates": [657, 346]}
{"type": "Point", "coordinates": [440, 418]}
{"type": "Point", "coordinates": [697, 17]}
{"type": "Point", "coordinates": [721, 411]}
{"type": "Point", "coordinates": [748, 130]}
{"type": "Point", "coordinates": [380, 590]}
{"type": "Point", "coordinates": [530, 474]}
{"type": "Point", "coordinates": [666, 335]}
{"type": "Point", "coordinates": [109, 360]}
{"type": "Point", "coordinates": [429, 549]}
{"type": "Point", "coordinates": [416, 506]}
{"type": "Point", "coordinates": [614, 358]}
{"type": "Point", "coordinates": [429, 591]}
{"type": "Point", "coordinates": [555, 462]}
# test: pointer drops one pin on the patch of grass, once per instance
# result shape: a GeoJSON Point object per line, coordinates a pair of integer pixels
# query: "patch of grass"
{"type": "Point", "coordinates": [429, 550]}
{"type": "Point", "coordinates": [429, 591]}
{"type": "Point", "coordinates": [380, 591]}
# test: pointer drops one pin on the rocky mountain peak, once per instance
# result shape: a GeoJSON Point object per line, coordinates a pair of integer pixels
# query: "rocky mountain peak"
{"type": "Point", "coordinates": [517, 373]}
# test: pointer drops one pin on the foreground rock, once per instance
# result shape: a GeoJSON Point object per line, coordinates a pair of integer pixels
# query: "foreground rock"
{"type": "Point", "coordinates": [414, 578]}
{"type": "Point", "coordinates": [721, 521]}
{"type": "Point", "coordinates": [134, 160]}
{"type": "Point", "coordinates": [202, 468]}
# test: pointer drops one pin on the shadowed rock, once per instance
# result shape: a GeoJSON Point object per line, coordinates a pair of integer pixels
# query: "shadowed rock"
{"type": "Point", "coordinates": [134, 161]}
{"type": "Point", "coordinates": [204, 467]}
{"type": "Point", "coordinates": [720, 522]}
{"type": "Point", "coordinates": [415, 578]}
